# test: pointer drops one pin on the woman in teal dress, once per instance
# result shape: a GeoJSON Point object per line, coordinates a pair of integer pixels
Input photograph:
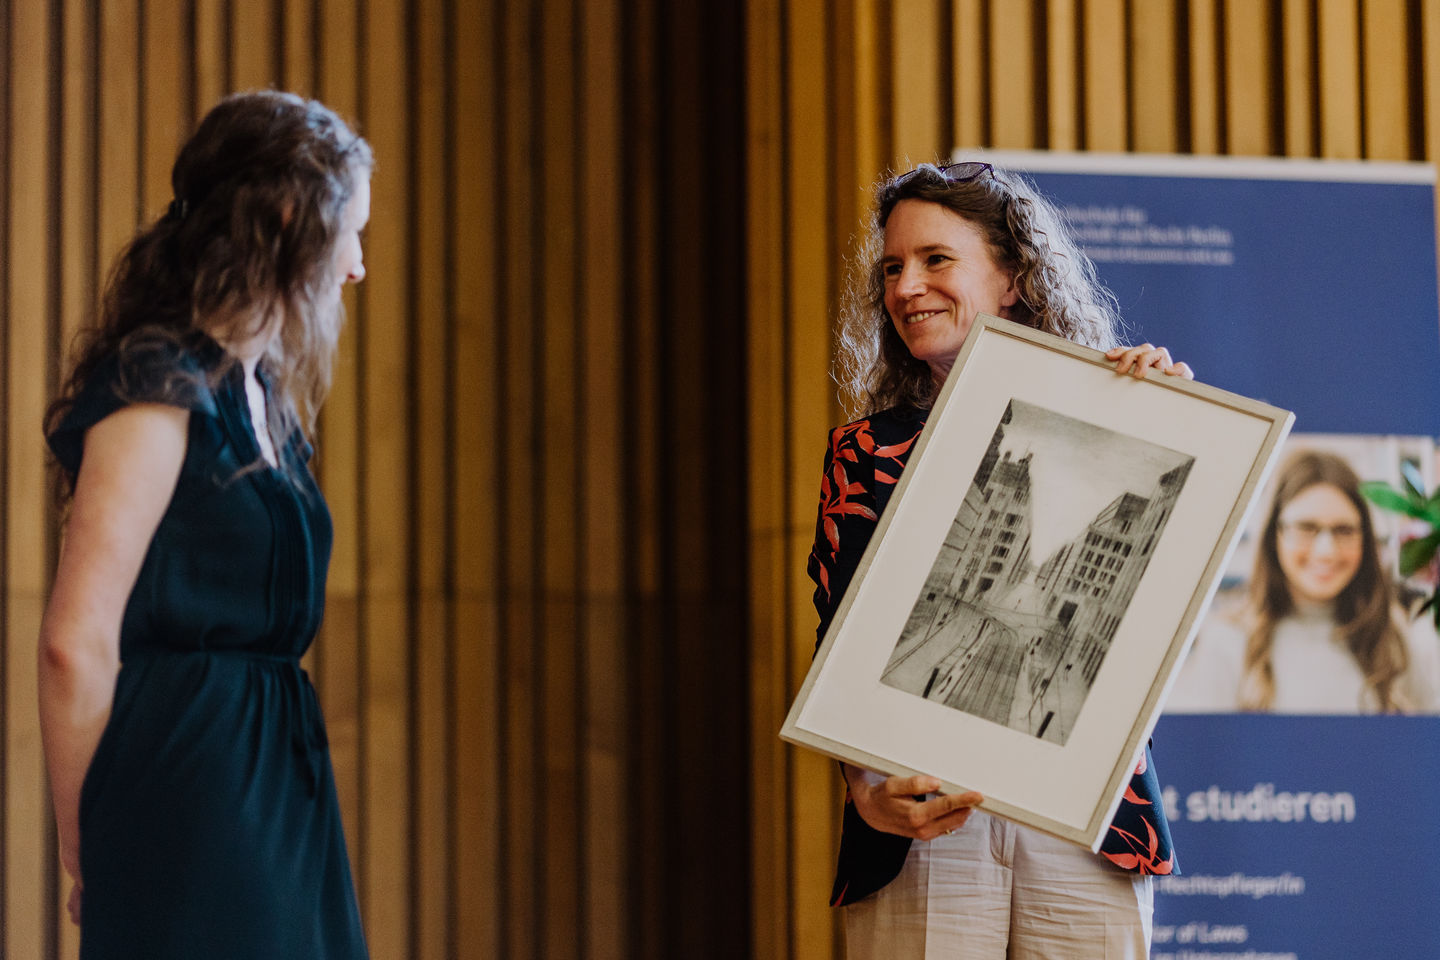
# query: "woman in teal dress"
{"type": "Point", "coordinates": [186, 750]}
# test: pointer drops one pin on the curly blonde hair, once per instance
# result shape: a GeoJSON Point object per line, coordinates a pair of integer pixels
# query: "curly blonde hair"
{"type": "Point", "coordinates": [1058, 289]}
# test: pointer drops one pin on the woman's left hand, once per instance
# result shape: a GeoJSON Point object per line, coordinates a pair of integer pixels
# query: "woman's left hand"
{"type": "Point", "coordinates": [1136, 360]}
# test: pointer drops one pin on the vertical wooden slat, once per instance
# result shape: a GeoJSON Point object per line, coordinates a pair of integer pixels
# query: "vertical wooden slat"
{"type": "Point", "coordinates": [165, 69]}
{"type": "Point", "coordinates": [809, 284]}
{"type": "Point", "coordinates": [915, 105]}
{"type": "Point", "coordinates": [77, 172]}
{"type": "Point", "coordinates": [29, 318]}
{"type": "Point", "coordinates": [1339, 70]}
{"type": "Point", "coordinates": [1249, 96]}
{"type": "Point", "coordinates": [556, 308]}
{"type": "Point", "coordinates": [211, 53]}
{"type": "Point", "coordinates": [1205, 103]}
{"type": "Point", "coordinates": [645, 406]}
{"type": "Point", "coordinates": [1062, 75]}
{"type": "Point", "coordinates": [1430, 58]}
{"type": "Point", "coordinates": [605, 831]}
{"type": "Point", "coordinates": [1012, 76]}
{"type": "Point", "coordinates": [8, 135]}
{"type": "Point", "coordinates": [387, 536]}
{"type": "Point", "coordinates": [1297, 29]}
{"type": "Point", "coordinates": [522, 822]}
{"type": "Point", "coordinates": [695, 487]}
{"type": "Point", "coordinates": [766, 121]}
{"type": "Point", "coordinates": [119, 96]}
{"type": "Point", "coordinates": [849, 79]}
{"type": "Point", "coordinates": [297, 56]}
{"type": "Point", "coordinates": [1155, 124]}
{"type": "Point", "coordinates": [970, 43]}
{"type": "Point", "coordinates": [860, 60]}
{"type": "Point", "coordinates": [855, 139]}
{"type": "Point", "coordinates": [480, 884]}
{"type": "Point", "coordinates": [252, 45]}
{"type": "Point", "coordinates": [338, 648]}
{"type": "Point", "coordinates": [430, 747]}
{"type": "Point", "coordinates": [1105, 76]}
{"type": "Point", "coordinates": [1386, 61]}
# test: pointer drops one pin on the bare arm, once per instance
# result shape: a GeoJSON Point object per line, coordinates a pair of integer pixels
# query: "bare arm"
{"type": "Point", "coordinates": [127, 477]}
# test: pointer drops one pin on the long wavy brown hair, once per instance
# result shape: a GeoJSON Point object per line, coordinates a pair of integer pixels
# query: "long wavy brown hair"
{"type": "Point", "coordinates": [260, 193]}
{"type": "Point", "coordinates": [1058, 288]}
{"type": "Point", "coordinates": [1364, 609]}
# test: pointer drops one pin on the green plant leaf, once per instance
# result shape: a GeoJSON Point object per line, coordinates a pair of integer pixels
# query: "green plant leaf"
{"type": "Point", "coordinates": [1386, 498]}
{"type": "Point", "coordinates": [1416, 554]}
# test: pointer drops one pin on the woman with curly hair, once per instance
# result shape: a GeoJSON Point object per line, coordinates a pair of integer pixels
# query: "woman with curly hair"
{"type": "Point", "coordinates": [923, 874]}
{"type": "Point", "coordinates": [187, 755]}
{"type": "Point", "coordinates": [1322, 632]}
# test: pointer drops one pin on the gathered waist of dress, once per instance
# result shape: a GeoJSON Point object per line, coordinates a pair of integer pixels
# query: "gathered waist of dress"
{"type": "Point", "coordinates": [307, 736]}
{"type": "Point", "coordinates": [263, 656]}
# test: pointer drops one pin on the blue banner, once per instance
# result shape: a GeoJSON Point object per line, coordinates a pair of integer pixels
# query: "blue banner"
{"type": "Point", "coordinates": [1317, 295]}
{"type": "Point", "coordinates": [1312, 286]}
{"type": "Point", "coordinates": [1300, 837]}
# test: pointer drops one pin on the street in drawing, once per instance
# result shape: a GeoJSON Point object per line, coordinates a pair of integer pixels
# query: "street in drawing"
{"type": "Point", "coordinates": [1015, 637]}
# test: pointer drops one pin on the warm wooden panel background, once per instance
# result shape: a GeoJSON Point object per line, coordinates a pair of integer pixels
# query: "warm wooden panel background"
{"type": "Point", "coordinates": [533, 662]}
{"type": "Point", "coordinates": [573, 442]}
{"type": "Point", "coordinates": [841, 91]}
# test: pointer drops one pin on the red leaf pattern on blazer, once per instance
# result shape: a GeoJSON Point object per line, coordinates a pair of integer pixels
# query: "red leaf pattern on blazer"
{"type": "Point", "coordinates": [838, 491]}
{"type": "Point", "coordinates": [1145, 858]}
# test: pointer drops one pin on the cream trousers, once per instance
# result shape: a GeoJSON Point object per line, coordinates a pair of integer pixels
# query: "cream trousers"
{"type": "Point", "coordinates": [993, 890]}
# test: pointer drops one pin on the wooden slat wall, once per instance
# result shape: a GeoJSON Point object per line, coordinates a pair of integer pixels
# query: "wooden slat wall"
{"type": "Point", "coordinates": [879, 84]}
{"type": "Point", "coordinates": [534, 662]}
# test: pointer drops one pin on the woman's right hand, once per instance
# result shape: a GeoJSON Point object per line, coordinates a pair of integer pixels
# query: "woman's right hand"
{"type": "Point", "coordinates": [72, 904]}
{"type": "Point", "coordinates": [891, 805]}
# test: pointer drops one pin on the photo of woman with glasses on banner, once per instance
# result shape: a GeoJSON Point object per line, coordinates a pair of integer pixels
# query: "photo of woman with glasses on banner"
{"type": "Point", "coordinates": [1321, 631]}
{"type": "Point", "coordinates": [921, 874]}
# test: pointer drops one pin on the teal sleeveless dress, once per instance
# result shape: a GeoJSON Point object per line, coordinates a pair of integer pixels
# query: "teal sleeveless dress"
{"type": "Point", "coordinates": [209, 826]}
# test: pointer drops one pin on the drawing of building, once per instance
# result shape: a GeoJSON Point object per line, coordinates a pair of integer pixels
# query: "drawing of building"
{"type": "Point", "coordinates": [1091, 580]}
{"type": "Point", "coordinates": [1015, 642]}
{"type": "Point", "coordinates": [999, 550]}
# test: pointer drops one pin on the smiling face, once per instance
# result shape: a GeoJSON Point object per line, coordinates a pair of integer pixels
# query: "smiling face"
{"type": "Point", "coordinates": [1319, 543]}
{"type": "Point", "coordinates": [939, 273]}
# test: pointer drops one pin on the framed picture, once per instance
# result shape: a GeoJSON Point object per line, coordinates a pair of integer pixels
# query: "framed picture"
{"type": "Point", "coordinates": [1030, 591]}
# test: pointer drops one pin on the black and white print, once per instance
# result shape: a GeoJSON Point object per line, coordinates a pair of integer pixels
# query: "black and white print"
{"type": "Point", "coordinates": [1037, 570]}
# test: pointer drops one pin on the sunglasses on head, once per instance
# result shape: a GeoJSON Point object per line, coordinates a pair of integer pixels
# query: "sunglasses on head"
{"type": "Point", "coordinates": [962, 172]}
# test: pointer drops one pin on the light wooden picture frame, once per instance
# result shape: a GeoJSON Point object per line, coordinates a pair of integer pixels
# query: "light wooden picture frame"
{"type": "Point", "coordinates": [1030, 591]}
